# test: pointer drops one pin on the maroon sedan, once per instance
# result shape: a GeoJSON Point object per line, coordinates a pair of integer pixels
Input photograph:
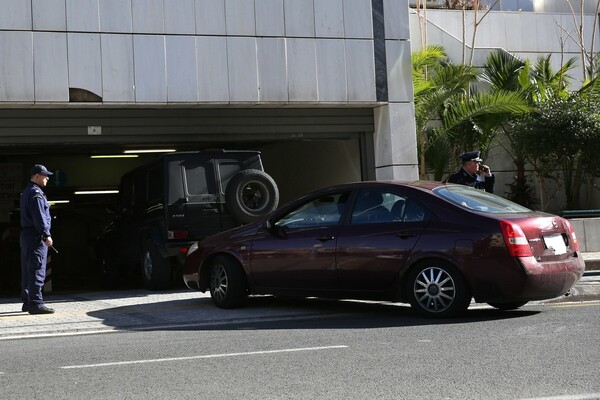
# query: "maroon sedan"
{"type": "Point", "coordinates": [433, 245]}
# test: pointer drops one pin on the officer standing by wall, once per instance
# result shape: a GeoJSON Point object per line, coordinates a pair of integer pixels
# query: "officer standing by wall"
{"type": "Point", "coordinates": [473, 173]}
{"type": "Point", "coordinates": [35, 241]}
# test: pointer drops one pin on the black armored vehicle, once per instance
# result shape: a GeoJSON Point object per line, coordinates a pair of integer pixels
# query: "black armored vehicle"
{"type": "Point", "coordinates": [176, 199]}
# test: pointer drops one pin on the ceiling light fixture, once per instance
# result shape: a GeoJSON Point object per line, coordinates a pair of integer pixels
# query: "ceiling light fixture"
{"type": "Point", "coordinates": [53, 202]}
{"type": "Point", "coordinates": [97, 192]}
{"type": "Point", "coordinates": [143, 151]}
{"type": "Point", "coordinates": [115, 156]}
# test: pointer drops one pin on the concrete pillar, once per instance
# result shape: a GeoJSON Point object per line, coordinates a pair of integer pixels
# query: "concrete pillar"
{"type": "Point", "coordinates": [395, 130]}
{"type": "Point", "coordinates": [395, 142]}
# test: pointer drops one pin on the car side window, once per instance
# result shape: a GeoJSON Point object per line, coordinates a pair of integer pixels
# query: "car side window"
{"type": "Point", "coordinates": [199, 179]}
{"type": "Point", "coordinates": [322, 211]}
{"type": "Point", "coordinates": [155, 183]}
{"type": "Point", "coordinates": [380, 206]}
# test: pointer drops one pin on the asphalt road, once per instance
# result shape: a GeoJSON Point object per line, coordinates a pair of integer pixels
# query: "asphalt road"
{"type": "Point", "coordinates": [350, 350]}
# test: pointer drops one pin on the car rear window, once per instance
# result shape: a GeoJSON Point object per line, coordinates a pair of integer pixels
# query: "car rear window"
{"type": "Point", "coordinates": [199, 179]}
{"type": "Point", "coordinates": [478, 200]}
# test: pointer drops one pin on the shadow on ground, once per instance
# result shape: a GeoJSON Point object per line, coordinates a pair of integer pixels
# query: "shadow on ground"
{"type": "Point", "coordinates": [268, 312]}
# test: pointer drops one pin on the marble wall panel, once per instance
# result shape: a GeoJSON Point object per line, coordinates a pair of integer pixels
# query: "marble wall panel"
{"type": "Point", "coordinates": [150, 68]}
{"type": "Point", "coordinates": [180, 17]}
{"type": "Point", "coordinates": [50, 66]}
{"type": "Point", "coordinates": [148, 16]}
{"type": "Point", "coordinates": [243, 74]}
{"type": "Point", "coordinates": [16, 66]}
{"type": "Point", "coordinates": [117, 68]}
{"type": "Point", "coordinates": [331, 70]}
{"type": "Point", "coordinates": [182, 81]}
{"type": "Point", "coordinates": [213, 76]}
{"type": "Point", "coordinates": [49, 15]}
{"type": "Point", "coordinates": [302, 69]}
{"type": "Point", "coordinates": [83, 15]}
{"type": "Point", "coordinates": [272, 74]}
{"type": "Point", "coordinates": [85, 62]}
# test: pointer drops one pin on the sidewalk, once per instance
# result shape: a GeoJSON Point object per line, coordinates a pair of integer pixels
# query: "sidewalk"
{"type": "Point", "coordinates": [592, 261]}
{"type": "Point", "coordinates": [103, 312]}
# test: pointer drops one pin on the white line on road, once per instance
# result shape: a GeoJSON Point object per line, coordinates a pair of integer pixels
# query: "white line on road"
{"type": "Point", "coordinates": [249, 353]}
{"type": "Point", "coordinates": [585, 396]}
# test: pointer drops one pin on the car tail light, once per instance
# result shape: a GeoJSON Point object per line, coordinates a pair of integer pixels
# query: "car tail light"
{"type": "Point", "coordinates": [177, 234]}
{"type": "Point", "coordinates": [183, 250]}
{"type": "Point", "coordinates": [517, 243]}
{"type": "Point", "coordinates": [573, 236]}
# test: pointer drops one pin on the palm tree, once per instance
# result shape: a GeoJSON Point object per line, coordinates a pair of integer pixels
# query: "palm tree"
{"type": "Point", "coordinates": [452, 115]}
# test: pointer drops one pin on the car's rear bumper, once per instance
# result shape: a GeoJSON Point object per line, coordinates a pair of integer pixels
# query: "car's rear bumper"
{"type": "Point", "coordinates": [531, 280]}
{"type": "Point", "coordinates": [545, 280]}
{"type": "Point", "coordinates": [173, 248]}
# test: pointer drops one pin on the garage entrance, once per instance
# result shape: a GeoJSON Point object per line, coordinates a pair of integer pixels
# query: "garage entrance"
{"type": "Point", "coordinates": [302, 149]}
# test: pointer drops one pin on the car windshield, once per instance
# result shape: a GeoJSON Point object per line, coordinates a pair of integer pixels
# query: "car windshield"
{"type": "Point", "coordinates": [478, 200]}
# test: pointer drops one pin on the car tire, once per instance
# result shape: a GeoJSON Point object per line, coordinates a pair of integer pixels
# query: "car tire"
{"type": "Point", "coordinates": [227, 283]}
{"type": "Point", "coordinates": [156, 270]}
{"type": "Point", "coordinates": [436, 289]}
{"type": "Point", "coordinates": [251, 194]}
{"type": "Point", "coordinates": [508, 306]}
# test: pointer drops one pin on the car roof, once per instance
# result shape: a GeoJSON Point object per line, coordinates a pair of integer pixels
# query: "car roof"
{"type": "Point", "coordinates": [416, 184]}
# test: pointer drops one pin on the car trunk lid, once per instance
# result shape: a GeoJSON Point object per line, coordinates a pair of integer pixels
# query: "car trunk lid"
{"type": "Point", "coordinates": [547, 238]}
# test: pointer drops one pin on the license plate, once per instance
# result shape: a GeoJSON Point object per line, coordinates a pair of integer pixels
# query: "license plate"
{"type": "Point", "coordinates": [556, 243]}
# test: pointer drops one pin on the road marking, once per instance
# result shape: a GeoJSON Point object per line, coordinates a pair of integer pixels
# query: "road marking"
{"type": "Point", "coordinates": [585, 396]}
{"type": "Point", "coordinates": [249, 353]}
{"type": "Point", "coordinates": [579, 304]}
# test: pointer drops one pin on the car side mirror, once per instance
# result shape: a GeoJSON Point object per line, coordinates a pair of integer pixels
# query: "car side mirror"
{"type": "Point", "coordinates": [277, 231]}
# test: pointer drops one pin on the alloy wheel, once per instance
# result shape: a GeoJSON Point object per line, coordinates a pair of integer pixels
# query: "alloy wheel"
{"type": "Point", "coordinates": [218, 282]}
{"type": "Point", "coordinates": [434, 289]}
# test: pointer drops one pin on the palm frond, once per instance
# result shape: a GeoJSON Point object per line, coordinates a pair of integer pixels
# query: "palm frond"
{"type": "Point", "coordinates": [501, 70]}
{"type": "Point", "coordinates": [428, 57]}
{"type": "Point", "coordinates": [484, 104]}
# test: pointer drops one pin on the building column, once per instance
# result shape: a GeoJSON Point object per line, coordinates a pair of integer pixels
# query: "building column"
{"type": "Point", "coordinates": [395, 142]}
{"type": "Point", "coordinates": [395, 129]}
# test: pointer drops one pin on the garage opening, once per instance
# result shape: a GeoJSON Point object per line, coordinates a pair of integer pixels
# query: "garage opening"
{"type": "Point", "coordinates": [302, 149]}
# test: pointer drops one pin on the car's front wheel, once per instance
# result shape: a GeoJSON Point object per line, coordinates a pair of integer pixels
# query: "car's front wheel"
{"type": "Point", "coordinates": [436, 289]}
{"type": "Point", "coordinates": [227, 283]}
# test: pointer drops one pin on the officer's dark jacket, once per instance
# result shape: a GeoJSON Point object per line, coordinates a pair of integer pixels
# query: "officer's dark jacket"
{"type": "Point", "coordinates": [35, 210]}
{"type": "Point", "coordinates": [462, 177]}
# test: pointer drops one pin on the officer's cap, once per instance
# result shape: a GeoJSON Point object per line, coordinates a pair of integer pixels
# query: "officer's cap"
{"type": "Point", "coordinates": [40, 169]}
{"type": "Point", "coordinates": [471, 156]}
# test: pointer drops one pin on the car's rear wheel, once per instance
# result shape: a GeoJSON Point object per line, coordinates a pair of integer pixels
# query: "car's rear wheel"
{"type": "Point", "coordinates": [251, 194]}
{"type": "Point", "coordinates": [508, 306]}
{"type": "Point", "coordinates": [227, 283]}
{"type": "Point", "coordinates": [156, 270]}
{"type": "Point", "coordinates": [436, 289]}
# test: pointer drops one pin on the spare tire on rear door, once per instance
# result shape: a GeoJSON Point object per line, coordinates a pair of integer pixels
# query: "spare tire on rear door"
{"type": "Point", "coordinates": [251, 194]}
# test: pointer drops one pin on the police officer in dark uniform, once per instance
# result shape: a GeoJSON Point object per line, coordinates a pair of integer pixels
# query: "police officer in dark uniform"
{"type": "Point", "coordinates": [35, 241]}
{"type": "Point", "coordinates": [473, 173]}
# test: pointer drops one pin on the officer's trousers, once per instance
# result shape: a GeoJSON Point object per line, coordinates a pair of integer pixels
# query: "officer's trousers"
{"type": "Point", "coordinates": [33, 268]}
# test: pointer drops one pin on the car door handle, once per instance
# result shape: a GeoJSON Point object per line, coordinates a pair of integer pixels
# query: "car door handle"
{"type": "Point", "coordinates": [405, 235]}
{"type": "Point", "coordinates": [325, 238]}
